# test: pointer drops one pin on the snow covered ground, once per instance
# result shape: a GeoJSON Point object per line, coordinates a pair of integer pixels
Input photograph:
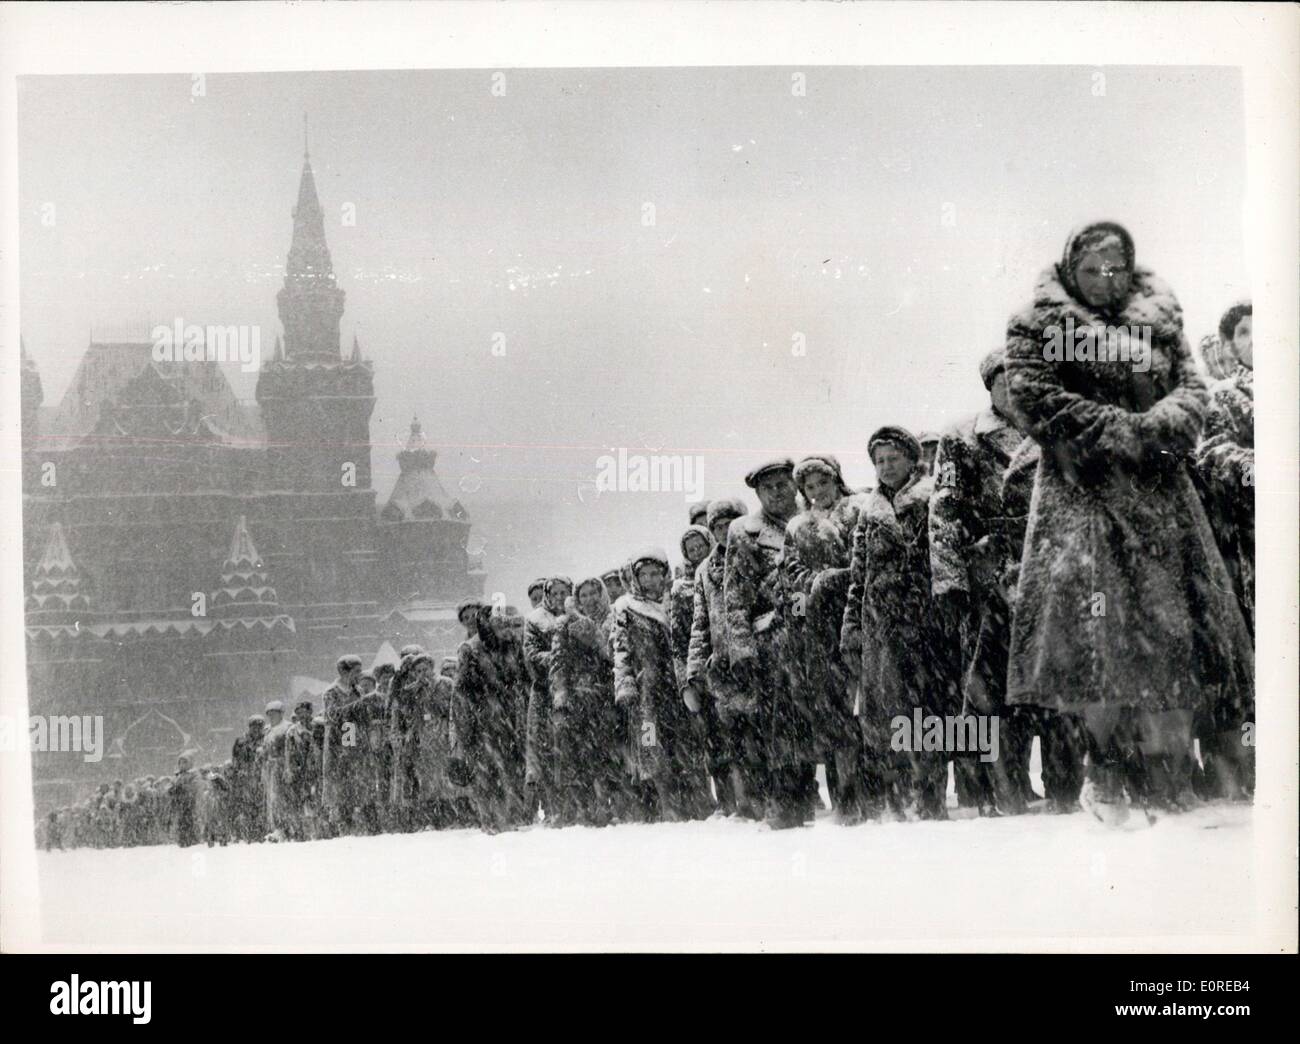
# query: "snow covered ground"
{"type": "Point", "coordinates": [1061, 882]}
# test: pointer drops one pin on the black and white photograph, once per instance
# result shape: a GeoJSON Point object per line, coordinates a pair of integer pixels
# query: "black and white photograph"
{"type": "Point", "coordinates": [649, 478]}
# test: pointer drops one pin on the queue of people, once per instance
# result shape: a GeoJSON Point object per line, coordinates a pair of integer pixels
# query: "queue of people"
{"type": "Point", "coordinates": [1075, 563]}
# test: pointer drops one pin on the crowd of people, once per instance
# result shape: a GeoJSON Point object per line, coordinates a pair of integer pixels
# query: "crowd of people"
{"type": "Point", "coordinates": [1076, 562]}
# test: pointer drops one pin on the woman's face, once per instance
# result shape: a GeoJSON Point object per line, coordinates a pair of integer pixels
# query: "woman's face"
{"type": "Point", "coordinates": [588, 599]}
{"type": "Point", "coordinates": [719, 530]}
{"type": "Point", "coordinates": [820, 489]}
{"type": "Point", "coordinates": [556, 593]}
{"type": "Point", "coordinates": [651, 577]}
{"type": "Point", "coordinates": [892, 465]}
{"type": "Point", "coordinates": [1103, 277]}
{"type": "Point", "coordinates": [1241, 342]}
{"type": "Point", "coordinates": [696, 548]}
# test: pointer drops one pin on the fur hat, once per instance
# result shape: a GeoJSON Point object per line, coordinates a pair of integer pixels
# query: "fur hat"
{"type": "Point", "coordinates": [726, 507]}
{"type": "Point", "coordinates": [780, 464]}
{"type": "Point", "coordinates": [991, 365]}
{"type": "Point", "coordinates": [274, 707]}
{"type": "Point", "coordinates": [891, 435]}
{"type": "Point", "coordinates": [823, 463]}
{"type": "Point", "coordinates": [539, 583]}
{"type": "Point", "coordinates": [347, 663]}
{"type": "Point", "coordinates": [467, 603]}
{"type": "Point", "coordinates": [696, 511]}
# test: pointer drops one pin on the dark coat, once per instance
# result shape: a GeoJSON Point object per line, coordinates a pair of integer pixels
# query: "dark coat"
{"type": "Point", "coordinates": [706, 656]}
{"type": "Point", "coordinates": [891, 622]}
{"type": "Point", "coordinates": [967, 548]}
{"type": "Point", "coordinates": [814, 578]}
{"type": "Point", "coordinates": [756, 632]}
{"type": "Point", "coordinates": [1123, 597]}
{"type": "Point", "coordinates": [491, 685]}
{"type": "Point", "coordinates": [1226, 463]}
{"type": "Point", "coordinates": [343, 768]}
{"type": "Point", "coordinates": [538, 626]}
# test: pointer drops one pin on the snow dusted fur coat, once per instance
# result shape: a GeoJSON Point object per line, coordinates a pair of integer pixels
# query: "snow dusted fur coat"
{"type": "Point", "coordinates": [815, 582]}
{"type": "Point", "coordinates": [645, 683]}
{"type": "Point", "coordinates": [1123, 597]}
{"type": "Point", "coordinates": [1226, 458]}
{"type": "Point", "coordinates": [908, 659]}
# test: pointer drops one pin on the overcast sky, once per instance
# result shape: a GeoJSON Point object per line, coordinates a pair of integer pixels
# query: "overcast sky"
{"type": "Point", "coordinates": [892, 217]}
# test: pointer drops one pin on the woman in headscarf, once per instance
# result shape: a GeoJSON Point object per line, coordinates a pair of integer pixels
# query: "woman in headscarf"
{"type": "Point", "coordinates": [491, 677]}
{"type": "Point", "coordinates": [582, 703]}
{"type": "Point", "coordinates": [645, 684]}
{"type": "Point", "coordinates": [696, 543]}
{"type": "Point", "coordinates": [539, 754]}
{"type": "Point", "coordinates": [814, 581]}
{"type": "Point", "coordinates": [892, 629]}
{"type": "Point", "coordinates": [1124, 611]}
{"type": "Point", "coordinates": [1226, 464]}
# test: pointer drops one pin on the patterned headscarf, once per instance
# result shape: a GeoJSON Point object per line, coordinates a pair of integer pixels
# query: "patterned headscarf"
{"type": "Point", "coordinates": [1089, 238]}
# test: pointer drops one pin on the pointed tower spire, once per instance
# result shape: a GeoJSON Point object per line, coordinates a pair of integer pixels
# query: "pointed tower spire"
{"type": "Point", "coordinates": [306, 151]}
{"type": "Point", "coordinates": [246, 593]}
{"type": "Point", "coordinates": [356, 350]}
{"type": "Point", "coordinates": [56, 597]}
{"type": "Point", "coordinates": [310, 302]}
{"type": "Point", "coordinates": [242, 552]}
{"type": "Point", "coordinates": [57, 559]}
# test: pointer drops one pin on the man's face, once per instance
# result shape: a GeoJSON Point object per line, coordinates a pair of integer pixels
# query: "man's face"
{"type": "Point", "coordinates": [366, 686]}
{"type": "Point", "coordinates": [1242, 343]}
{"type": "Point", "coordinates": [776, 492]}
{"type": "Point", "coordinates": [892, 465]}
{"type": "Point", "coordinates": [820, 490]}
{"type": "Point", "coordinates": [652, 577]}
{"type": "Point", "coordinates": [303, 716]}
{"type": "Point", "coordinates": [696, 548]}
{"type": "Point", "coordinates": [255, 730]}
{"type": "Point", "coordinates": [719, 529]}
{"type": "Point", "coordinates": [614, 585]}
{"type": "Point", "coordinates": [352, 675]}
{"type": "Point", "coordinates": [1103, 277]}
{"type": "Point", "coordinates": [273, 718]}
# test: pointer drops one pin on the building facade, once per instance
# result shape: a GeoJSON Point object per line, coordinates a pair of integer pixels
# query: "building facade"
{"type": "Point", "coordinates": [189, 557]}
